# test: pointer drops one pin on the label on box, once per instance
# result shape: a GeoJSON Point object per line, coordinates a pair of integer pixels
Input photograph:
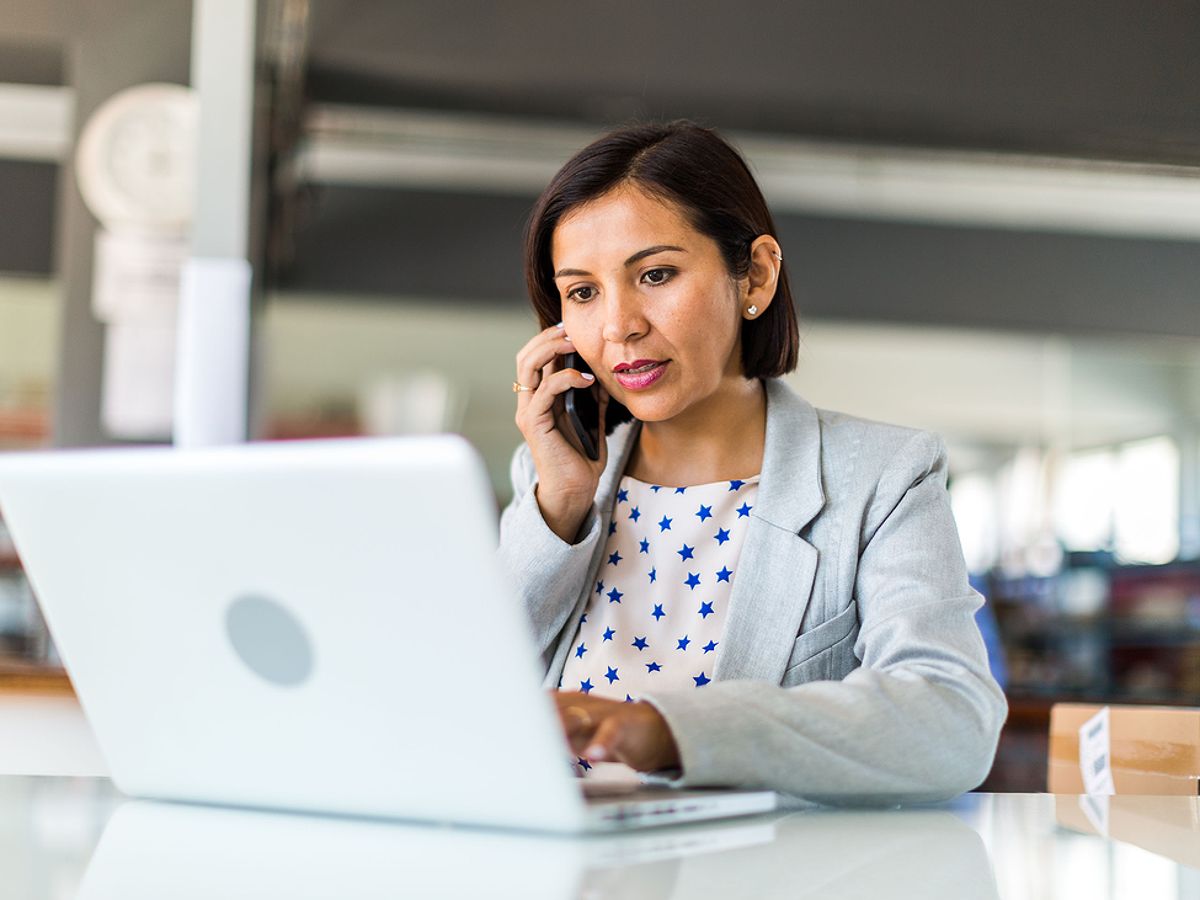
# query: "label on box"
{"type": "Point", "coordinates": [1095, 763]}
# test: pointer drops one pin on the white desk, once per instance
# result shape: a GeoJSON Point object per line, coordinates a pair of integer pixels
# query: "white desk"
{"type": "Point", "coordinates": [67, 838]}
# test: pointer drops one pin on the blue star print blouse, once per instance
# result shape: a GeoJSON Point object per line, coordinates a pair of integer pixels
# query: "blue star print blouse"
{"type": "Point", "coordinates": [656, 616]}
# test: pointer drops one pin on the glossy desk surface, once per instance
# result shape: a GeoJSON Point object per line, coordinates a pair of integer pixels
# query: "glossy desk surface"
{"type": "Point", "coordinates": [65, 838]}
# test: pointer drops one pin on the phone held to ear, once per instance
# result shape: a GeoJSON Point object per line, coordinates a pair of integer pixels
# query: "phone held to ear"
{"type": "Point", "coordinates": [583, 409]}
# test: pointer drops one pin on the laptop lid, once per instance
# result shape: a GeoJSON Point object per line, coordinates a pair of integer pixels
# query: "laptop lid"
{"type": "Point", "coordinates": [308, 625]}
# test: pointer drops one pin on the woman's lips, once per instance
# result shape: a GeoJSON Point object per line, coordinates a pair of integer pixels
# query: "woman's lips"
{"type": "Point", "coordinates": [640, 380]}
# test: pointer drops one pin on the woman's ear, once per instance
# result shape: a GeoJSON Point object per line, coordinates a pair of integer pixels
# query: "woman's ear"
{"type": "Point", "coordinates": [766, 262]}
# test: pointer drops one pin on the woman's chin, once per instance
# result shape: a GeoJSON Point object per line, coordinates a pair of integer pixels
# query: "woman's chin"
{"type": "Point", "coordinates": [648, 409]}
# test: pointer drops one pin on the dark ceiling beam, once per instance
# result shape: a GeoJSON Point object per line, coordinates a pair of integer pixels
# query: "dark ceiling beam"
{"type": "Point", "coordinates": [1116, 79]}
{"type": "Point", "coordinates": [466, 248]}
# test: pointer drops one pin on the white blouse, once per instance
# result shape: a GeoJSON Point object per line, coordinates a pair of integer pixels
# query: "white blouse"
{"type": "Point", "coordinates": [656, 616]}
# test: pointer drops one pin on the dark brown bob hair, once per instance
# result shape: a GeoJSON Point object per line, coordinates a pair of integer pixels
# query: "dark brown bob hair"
{"type": "Point", "coordinates": [694, 169]}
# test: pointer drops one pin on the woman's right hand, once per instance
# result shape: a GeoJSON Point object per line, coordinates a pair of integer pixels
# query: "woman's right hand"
{"type": "Point", "coordinates": [567, 478]}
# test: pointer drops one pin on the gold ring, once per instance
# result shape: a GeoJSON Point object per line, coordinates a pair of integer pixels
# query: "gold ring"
{"type": "Point", "coordinates": [578, 712]}
{"type": "Point", "coordinates": [517, 387]}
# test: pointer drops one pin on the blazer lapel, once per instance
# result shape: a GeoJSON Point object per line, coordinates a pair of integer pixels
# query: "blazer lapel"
{"type": "Point", "coordinates": [776, 567]}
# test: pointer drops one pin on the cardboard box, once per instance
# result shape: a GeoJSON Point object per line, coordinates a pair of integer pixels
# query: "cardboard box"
{"type": "Point", "coordinates": [1152, 749]}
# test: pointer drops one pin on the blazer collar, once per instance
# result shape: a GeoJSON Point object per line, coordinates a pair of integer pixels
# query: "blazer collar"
{"type": "Point", "coordinates": [790, 490]}
{"type": "Point", "coordinates": [790, 493]}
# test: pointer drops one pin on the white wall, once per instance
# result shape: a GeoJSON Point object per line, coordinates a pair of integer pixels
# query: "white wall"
{"type": "Point", "coordinates": [325, 349]}
{"type": "Point", "coordinates": [979, 389]}
{"type": "Point", "coordinates": [29, 318]}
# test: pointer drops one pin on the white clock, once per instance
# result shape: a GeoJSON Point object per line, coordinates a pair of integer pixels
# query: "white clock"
{"type": "Point", "coordinates": [136, 159]}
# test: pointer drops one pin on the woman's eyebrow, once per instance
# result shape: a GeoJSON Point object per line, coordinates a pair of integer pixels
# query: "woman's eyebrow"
{"type": "Point", "coordinates": [641, 254]}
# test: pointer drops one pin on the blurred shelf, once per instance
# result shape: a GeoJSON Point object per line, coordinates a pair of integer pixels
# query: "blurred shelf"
{"type": "Point", "coordinates": [24, 428]}
{"type": "Point", "coordinates": [17, 677]}
{"type": "Point", "coordinates": [1138, 642]}
{"type": "Point", "coordinates": [1026, 705]}
{"type": "Point", "coordinates": [1115, 630]}
{"type": "Point", "coordinates": [334, 423]}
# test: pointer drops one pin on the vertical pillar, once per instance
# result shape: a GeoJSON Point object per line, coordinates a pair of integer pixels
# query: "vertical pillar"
{"type": "Point", "coordinates": [216, 301]}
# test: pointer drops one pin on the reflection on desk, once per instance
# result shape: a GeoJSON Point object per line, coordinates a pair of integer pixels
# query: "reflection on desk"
{"type": "Point", "coordinates": [150, 851]}
{"type": "Point", "coordinates": [979, 846]}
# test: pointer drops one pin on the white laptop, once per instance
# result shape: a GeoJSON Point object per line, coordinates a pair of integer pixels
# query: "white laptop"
{"type": "Point", "coordinates": [316, 626]}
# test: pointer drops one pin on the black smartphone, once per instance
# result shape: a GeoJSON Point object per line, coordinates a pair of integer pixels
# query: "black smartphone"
{"type": "Point", "coordinates": [583, 409]}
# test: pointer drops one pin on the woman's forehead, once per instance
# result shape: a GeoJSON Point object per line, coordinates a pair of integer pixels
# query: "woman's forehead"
{"type": "Point", "coordinates": [618, 223]}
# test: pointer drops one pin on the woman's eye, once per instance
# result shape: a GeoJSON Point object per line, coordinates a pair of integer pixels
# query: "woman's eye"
{"type": "Point", "coordinates": [578, 294]}
{"type": "Point", "coordinates": [657, 276]}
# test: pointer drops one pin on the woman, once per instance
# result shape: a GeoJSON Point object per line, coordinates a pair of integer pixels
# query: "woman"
{"type": "Point", "coordinates": [742, 590]}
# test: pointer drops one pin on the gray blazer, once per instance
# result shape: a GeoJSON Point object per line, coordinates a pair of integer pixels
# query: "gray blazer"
{"type": "Point", "coordinates": [852, 668]}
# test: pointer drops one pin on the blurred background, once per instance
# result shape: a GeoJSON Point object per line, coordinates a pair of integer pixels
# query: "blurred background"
{"type": "Point", "coordinates": [990, 214]}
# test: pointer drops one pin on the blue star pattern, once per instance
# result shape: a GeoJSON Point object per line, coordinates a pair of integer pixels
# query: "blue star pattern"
{"type": "Point", "coordinates": [636, 608]}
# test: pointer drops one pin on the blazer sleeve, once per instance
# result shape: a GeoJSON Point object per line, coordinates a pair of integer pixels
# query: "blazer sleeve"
{"type": "Point", "coordinates": [544, 571]}
{"type": "Point", "coordinates": [919, 720]}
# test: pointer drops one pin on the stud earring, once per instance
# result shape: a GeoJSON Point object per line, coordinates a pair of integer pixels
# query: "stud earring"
{"type": "Point", "coordinates": [752, 311]}
{"type": "Point", "coordinates": [778, 256]}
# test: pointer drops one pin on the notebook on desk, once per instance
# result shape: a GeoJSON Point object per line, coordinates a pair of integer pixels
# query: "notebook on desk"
{"type": "Point", "coordinates": [318, 626]}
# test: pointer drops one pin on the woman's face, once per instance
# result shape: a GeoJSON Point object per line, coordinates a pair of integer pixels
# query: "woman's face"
{"type": "Point", "coordinates": [639, 285]}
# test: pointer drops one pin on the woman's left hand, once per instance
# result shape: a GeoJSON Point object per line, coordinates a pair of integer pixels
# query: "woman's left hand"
{"type": "Point", "coordinates": [602, 730]}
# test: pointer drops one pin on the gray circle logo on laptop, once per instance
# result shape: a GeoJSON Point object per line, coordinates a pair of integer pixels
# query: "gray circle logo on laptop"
{"type": "Point", "coordinates": [270, 640]}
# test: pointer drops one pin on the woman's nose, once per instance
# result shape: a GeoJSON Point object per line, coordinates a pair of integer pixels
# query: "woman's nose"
{"type": "Point", "coordinates": [623, 318]}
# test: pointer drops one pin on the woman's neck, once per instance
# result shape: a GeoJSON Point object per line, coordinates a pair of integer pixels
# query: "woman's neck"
{"type": "Point", "coordinates": [720, 439]}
